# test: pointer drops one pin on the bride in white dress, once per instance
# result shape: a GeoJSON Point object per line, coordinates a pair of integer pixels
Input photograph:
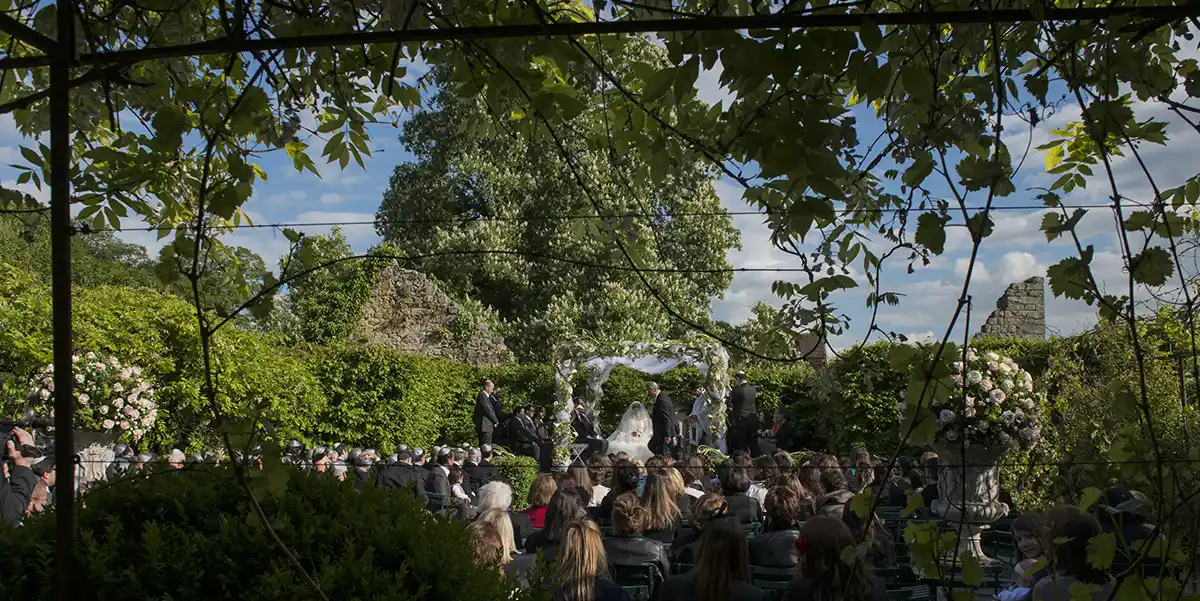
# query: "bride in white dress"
{"type": "Point", "coordinates": [633, 434]}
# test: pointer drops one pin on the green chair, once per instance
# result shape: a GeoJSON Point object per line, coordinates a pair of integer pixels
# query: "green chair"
{"type": "Point", "coordinates": [681, 568]}
{"type": "Point", "coordinates": [640, 582]}
{"type": "Point", "coordinates": [772, 579]}
{"type": "Point", "coordinates": [752, 529]}
{"type": "Point", "coordinates": [436, 502]}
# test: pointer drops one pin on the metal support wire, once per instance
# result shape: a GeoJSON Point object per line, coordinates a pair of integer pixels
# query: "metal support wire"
{"type": "Point", "coordinates": [60, 252]}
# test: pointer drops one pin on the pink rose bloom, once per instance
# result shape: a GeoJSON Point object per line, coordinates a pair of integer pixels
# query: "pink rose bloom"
{"type": "Point", "coordinates": [125, 425]}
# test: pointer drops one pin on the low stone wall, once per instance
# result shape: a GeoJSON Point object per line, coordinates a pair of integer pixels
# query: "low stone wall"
{"type": "Point", "coordinates": [1020, 312]}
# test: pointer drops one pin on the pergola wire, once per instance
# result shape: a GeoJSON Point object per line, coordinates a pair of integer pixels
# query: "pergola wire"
{"type": "Point", "coordinates": [60, 56]}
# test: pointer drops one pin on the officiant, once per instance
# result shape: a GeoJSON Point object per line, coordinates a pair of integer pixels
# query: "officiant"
{"type": "Point", "coordinates": [587, 432]}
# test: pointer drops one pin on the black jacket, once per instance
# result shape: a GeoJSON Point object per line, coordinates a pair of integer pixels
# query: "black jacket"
{"type": "Point", "coordinates": [741, 400]}
{"type": "Point", "coordinates": [584, 426]}
{"type": "Point", "coordinates": [746, 508]}
{"type": "Point", "coordinates": [522, 430]}
{"type": "Point", "coordinates": [665, 535]}
{"type": "Point", "coordinates": [635, 551]}
{"type": "Point", "coordinates": [438, 482]}
{"type": "Point", "coordinates": [538, 542]}
{"type": "Point", "coordinates": [478, 474]}
{"type": "Point", "coordinates": [485, 413]}
{"type": "Point", "coordinates": [802, 590]}
{"type": "Point", "coordinates": [604, 590]}
{"type": "Point", "coordinates": [683, 588]}
{"type": "Point", "coordinates": [775, 549]}
{"type": "Point", "coordinates": [663, 417]}
{"type": "Point", "coordinates": [521, 526]}
{"type": "Point", "coordinates": [401, 476]}
{"type": "Point", "coordinates": [15, 493]}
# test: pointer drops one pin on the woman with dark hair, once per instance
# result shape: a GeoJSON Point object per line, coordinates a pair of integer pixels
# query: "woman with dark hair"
{"type": "Point", "coordinates": [1071, 563]}
{"type": "Point", "coordinates": [625, 477]}
{"type": "Point", "coordinates": [664, 516]}
{"type": "Point", "coordinates": [810, 478]}
{"type": "Point", "coordinates": [583, 480]}
{"type": "Point", "coordinates": [836, 495]}
{"type": "Point", "coordinates": [808, 504]}
{"type": "Point", "coordinates": [776, 546]}
{"type": "Point", "coordinates": [900, 484]}
{"type": "Point", "coordinates": [880, 552]}
{"type": "Point", "coordinates": [565, 507]}
{"type": "Point", "coordinates": [862, 470]}
{"type": "Point", "coordinates": [783, 461]}
{"type": "Point", "coordinates": [582, 573]}
{"type": "Point", "coordinates": [823, 576]}
{"type": "Point", "coordinates": [735, 481]}
{"type": "Point", "coordinates": [540, 493]}
{"type": "Point", "coordinates": [628, 547]}
{"type": "Point", "coordinates": [722, 571]}
{"type": "Point", "coordinates": [695, 476]}
{"type": "Point", "coordinates": [764, 469]}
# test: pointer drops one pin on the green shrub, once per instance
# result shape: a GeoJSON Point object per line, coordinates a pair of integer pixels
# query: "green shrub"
{"type": "Point", "coordinates": [518, 473]}
{"type": "Point", "coordinates": [194, 536]}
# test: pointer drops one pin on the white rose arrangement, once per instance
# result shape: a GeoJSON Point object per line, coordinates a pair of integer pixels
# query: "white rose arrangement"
{"type": "Point", "coordinates": [109, 396]}
{"type": "Point", "coordinates": [993, 404]}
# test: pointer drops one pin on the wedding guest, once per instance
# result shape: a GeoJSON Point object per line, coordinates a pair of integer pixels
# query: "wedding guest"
{"type": "Point", "coordinates": [582, 573]}
{"type": "Point", "coordinates": [1071, 564]}
{"type": "Point", "coordinates": [880, 553]}
{"type": "Point", "coordinates": [487, 548]}
{"type": "Point", "coordinates": [625, 477]}
{"type": "Point", "coordinates": [540, 493]}
{"type": "Point", "coordinates": [776, 546]}
{"type": "Point", "coordinates": [600, 473]}
{"type": "Point", "coordinates": [706, 509]}
{"type": "Point", "coordinates": [628, 546]}
{"type": "Point", "coordinates": [664, 515]}
{"type": "Point", "coordinates": [823, 575]}
{"type": "Point", "coordinates": [735, 481]}
{"type": "Point", "coordinates": [498, 495]}
{"type": "Point", "coordinates": [836, 497]}
{"type": "Point", "coordinates": [722, 571]}
{"type": "Point", "coordinates": [565, 507]}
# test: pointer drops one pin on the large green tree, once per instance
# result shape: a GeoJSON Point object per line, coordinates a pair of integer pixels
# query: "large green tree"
{"type": "Point", "coordinates": [497, 218]}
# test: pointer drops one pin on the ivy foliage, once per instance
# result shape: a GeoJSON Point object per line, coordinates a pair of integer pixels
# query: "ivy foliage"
{"type": "Point", "coordinates": [193, 536]}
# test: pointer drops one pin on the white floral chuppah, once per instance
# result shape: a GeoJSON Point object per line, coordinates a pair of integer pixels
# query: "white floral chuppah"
{"type": "Point", "coordinates": [648, 357]}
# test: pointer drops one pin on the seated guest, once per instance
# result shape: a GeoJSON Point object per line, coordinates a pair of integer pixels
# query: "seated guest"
{"type": "Point", "coordinates": [477, 468]}
{"type": "Point", "coordinates": [823, 574]}
{"type": "Point", "coordinates": [900, 484]}
{"type": "Point", "coordinates": [402, 475]}
{"type": "Point", "coordinates": [582, 573]}
{"type": "Point", "coordinates": [540, 492]}
{"type": "Point", "coordinates": [487, 550]}
{"type": "Point", "coordinates": [625, 477]}
{"type": "Point", "coordinates": [831, 503]}
{"type": "Point", "coordinates": [704, 510]}
{"type": "Point", "coordinates": [583, 480]}
{"type": "Point", "coordinates": [809, 475]}
{"type": "Point", "coordinates": [722, 571]}
{"type": "Point", "coordinates": [764, 469]}
{"type": "Point", "coordinates": [627, 546]}
{"type": "Point", "coordinates": [1071, 566]}
{"type": "Point", "coordinates": [735, 481]}
{"type": "Point", "coordinates": [565, 507]}
{"type": "Point", "coordinates": [600, 474]}
{"type": "Point", "coordinates": [792, 481]}
{"type": "Point", "coordinates": [499, 518]}
{"type": "Point", "coordinates": [862, 470]}
{"type": "Point", "coordinates": [880, 553]}
{"type": "Point", "coordinates": [664, 515]}
{"type": "Point", "coordinates": [683, 500]}
{"type": "Point", "coordinates": [457, 490]}
{"type": "Point", "coordinates": [497, 495]}
{"type": "Point", "coordinates": [695, 476]}
{"type": "Point", "coordinates": [776, 546]}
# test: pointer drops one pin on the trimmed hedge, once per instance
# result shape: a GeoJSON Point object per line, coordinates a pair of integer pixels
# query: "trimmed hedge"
{"type": "Point", "coordinates": [519, 473]}
{"type": "Point", "coordinates": [194, 535]}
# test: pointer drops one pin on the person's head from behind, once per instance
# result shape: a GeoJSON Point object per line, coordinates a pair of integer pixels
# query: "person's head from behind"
{"type": "Point", "coordinates": [1029, 531]}
{"type": "Point", "coordinates": [791, 481]}
{"type": "Point", "coordinates": [739, 377]}
{"type": "Point", "coordinates": [708, 508]}
{"type": "Point", "coordinates": [783, 507]}
{"type": "Point", "coordinates": [499, 519]}
{"type": "Point", "coordinates": [694, 470]}
{"type": "Point", "coordinates": [783, 461]}
{"type": "Point", "coordinates": [810, 478]}
{"type": "Point", "coordinates": [675, 479]}
{"type": "Point", "coordinates": [740, 459]}
{"type": "Point", "coordinates": [929, 461]}
{"type": "Point", "coordinates": [629, 518]}
{"type": "Point", "coordinates": [821, 545]}
{"type": "Point", "coordinates": [764, 469]}
{"type": "Point", "coordinates": [723, 557]}
{"type": "Point", "coordinates": [565, 506]}
{"type": "Point", "coordinates": [495, 495]}
{"type": "Point", "coordinates": [474, 456]}
{"type": "Point", "coordinates": [625, 476]}
{"type": "Point", "coordinates": [579, 472]}
{"type": "Point", "coordinates": [859, 526]}
{"type": "Point", "coordinates": [659, 499]}
{"type": "Point", "coordinates": [1071, 550]}
{"type": "Point", "coordinates": [832, 481]}
{"type": "Point", "coordinates": [600, 470]}
{"type": "Point", "coordinates": [487, 549]}
{"type": "Point", "coordinates": [581, 561]}
{"type": "Point", "coordinates": [38, 498]}
{"type": "Point", "coordinates": [734, 480]}
{"type": "Point", "coordinates": [541, 491]}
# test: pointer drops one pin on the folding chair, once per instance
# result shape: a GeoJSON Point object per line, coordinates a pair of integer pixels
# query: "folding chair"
{"type": "Point", "coordinates": [772, 580]}
{"type": "Point", "coordinates": [640, 582]}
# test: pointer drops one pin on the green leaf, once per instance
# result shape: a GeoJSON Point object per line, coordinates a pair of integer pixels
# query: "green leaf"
{"type": "Point", "coordinates": [1055, 156]}
{"type": "Point", "coordinates": [658, 84]}
{"type": "Point", "coordinates": [169, 124]}
{"type": "Point", "coordinates": [920, 169]}
{"type": "Point", "coordinates": [931, 231]}
{"type": "Point", "coordinates": [31, 155]}
{"type": "Point", "coordinates": [972, 571]}
{"type": "Point", "coordinates": [1101, 550]}
{"type": "Point", "coordinates": [1151, 267]}
{"type": "Point", "coordinates": [915, 503]}
{"type": "Point", "coordinates": [1088, 498]}
{"type": "Point", "coordinates": [861, 504]}
{"type": "Point", "coordinates": [570, 107]}
{"type": "Point", "coordinates": [870, 36]}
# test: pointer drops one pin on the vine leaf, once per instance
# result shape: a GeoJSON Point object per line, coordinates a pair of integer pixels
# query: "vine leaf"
{"type": "Point", "coordinates": [1101, 550]}
{"type": "Point", "coordinates": [1151, 267]}
{"type": "Point", "coordinates": [1089, 497]}
{"type": "Point", "coordinates": [931, 231]}
{"type": "Point", "coordinates": [972, 571]}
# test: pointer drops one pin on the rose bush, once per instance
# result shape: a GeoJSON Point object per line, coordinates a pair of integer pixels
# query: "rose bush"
{"type": "Point", "coordinates": [995, 404]}
{"type": "Point", "coordinates": [109, 396]}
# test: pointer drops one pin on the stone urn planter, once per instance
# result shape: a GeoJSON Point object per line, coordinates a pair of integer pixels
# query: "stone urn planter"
{"type": "Point", "coordinates": [969, 494]}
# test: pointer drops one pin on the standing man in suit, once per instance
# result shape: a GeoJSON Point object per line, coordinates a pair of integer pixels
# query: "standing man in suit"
{"type": "Point", "coordinates": [662, 417]}
{"type": "Point", "coordinates": [485, 413]}
{"type": "Point", "coordinates": [744, 416]}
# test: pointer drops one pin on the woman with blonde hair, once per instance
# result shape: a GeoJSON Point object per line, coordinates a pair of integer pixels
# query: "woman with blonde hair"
{"type": "Point", "coordinates": [540, 493]}
{"type": "Point", "coordinates": [627, 546]}
{"type": "Point", "coordinates": [487, 550]}
{"type": "Point", "coordinates": [499, 519]}
{"type": "Point", "coordinates": [582, 573]}
{"type": "Point", "coordinates": [659, 500]}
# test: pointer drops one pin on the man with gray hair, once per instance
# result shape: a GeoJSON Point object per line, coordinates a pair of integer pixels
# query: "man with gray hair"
{"type": "Point", "coordinates": [477, 474]}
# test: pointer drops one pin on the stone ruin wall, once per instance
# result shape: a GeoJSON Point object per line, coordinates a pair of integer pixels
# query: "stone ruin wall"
{"type": "Point", "coordinates": [408, 312]}
{"type": "Point", "coordinates": [1020, 312]}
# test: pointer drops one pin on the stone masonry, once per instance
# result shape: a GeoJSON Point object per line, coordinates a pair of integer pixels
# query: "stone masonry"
{"type": "Point", "coordinates": [408, 312]}
{"type": "Point", "coordinates": [1020, 312]}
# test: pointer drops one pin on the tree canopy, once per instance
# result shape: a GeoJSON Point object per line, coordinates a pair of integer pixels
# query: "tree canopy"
{"type": "Point", "coordinates": [499, 223]}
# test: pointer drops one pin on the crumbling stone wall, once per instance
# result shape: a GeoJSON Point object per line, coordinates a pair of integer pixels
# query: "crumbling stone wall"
{"type": "Point", "coordinates": [1020, 312]}
{"type": "Point", "coordinates": [408, 312]}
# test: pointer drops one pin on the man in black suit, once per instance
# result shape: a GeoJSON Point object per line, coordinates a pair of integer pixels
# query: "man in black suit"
{"type": "Point", "coordinates": [439, 477]}
{"type": "Point", "coordinates": [663, 419]}
{"type": "Point", "coordinates": [744, 433]}
{"type": "Point", "coordinates": [524, 434]}
{"type": "Point", "coordinates": [587, 433]}
{"type": "Point", "coordinates": [485, 413]}
{"type": "Point", "coordinates": [477, 468]}
{"type": "Point", "coordinates": [402, 475]}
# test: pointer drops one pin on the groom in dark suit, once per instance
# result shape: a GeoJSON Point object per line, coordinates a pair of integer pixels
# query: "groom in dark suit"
{"type": "Point", "coordinates": [663, 419]}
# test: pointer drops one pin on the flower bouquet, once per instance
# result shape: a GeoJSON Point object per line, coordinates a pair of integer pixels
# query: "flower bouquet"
{"type": "Point", "coordinates": [993, 404]}
{"type": "Point", "coordinates": [110, 397]}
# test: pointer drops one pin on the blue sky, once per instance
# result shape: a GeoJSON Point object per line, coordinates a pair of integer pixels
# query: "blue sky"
{"type": "Point", "coordinates": [1015, 251]}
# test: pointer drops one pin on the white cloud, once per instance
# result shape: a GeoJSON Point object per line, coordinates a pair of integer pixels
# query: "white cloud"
{"type": "Point", "coordinates": [748, 288]}
{"type": "Point", "coordinates": [332, 199]}
{"type": "Point", "coordinates": [709, 89]}
{"type": "Point", "coordinates": [979, 274]}
{"type": "Point", "coordinates": [1017, 266]}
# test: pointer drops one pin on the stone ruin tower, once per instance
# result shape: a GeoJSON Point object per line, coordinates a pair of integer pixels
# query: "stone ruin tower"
{"type": "Point", "coordinates": [1020, 312]}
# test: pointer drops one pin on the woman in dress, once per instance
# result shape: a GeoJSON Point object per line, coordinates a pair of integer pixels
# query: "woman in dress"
{"type": "Point", "coordinates": [633, 434]}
